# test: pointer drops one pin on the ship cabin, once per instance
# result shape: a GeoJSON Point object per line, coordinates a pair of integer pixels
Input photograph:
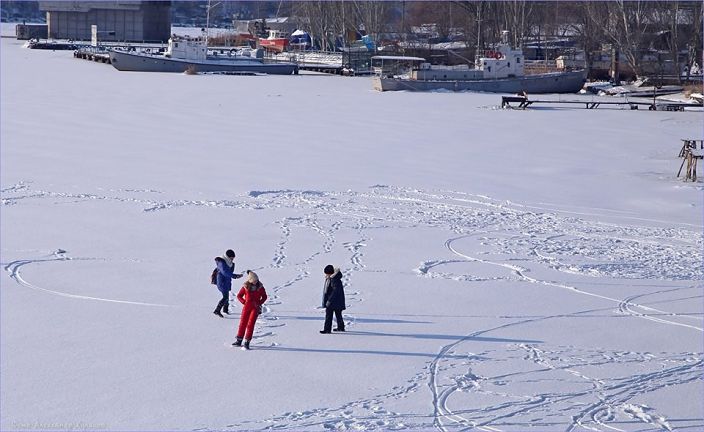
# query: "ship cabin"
{"type": "Point", "coordinates": [452, 73]}
{"type": "Point", "coordinates": [502, 62]}
{"type": "Point", "coordinates": [389, 66]}
{"type": "Point", "coordinates": [277, 34]}
{"type": "Point", "coordinates": [187, 48]}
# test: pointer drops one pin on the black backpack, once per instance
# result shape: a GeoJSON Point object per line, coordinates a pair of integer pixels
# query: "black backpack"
{"type": "Point", "coordinates": [214, 276]}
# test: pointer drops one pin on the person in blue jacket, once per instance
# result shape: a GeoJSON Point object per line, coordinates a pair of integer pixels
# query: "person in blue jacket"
{"type": "Point", "coordinates": [333, 299]}
{"type": "Point", "coordinates": [226, 272]}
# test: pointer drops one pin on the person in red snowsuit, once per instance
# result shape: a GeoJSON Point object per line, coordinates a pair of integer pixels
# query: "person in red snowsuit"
{"type": "Point", "coordinates": [252, 295]}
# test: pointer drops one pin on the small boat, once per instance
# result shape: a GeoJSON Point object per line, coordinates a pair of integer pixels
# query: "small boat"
{"type": "Point", "coordinates": [497, 71]}
{"type": "Point", "coordinates": [299, 41]}
{"type": "Point", "coordinates": [190, 54]}
{"type": "Point", "coordinates": [640, 89]}
{"type": "Point", "coordinates": [597, 87]}
{"type": "Point", "coordinates": [276, 41]}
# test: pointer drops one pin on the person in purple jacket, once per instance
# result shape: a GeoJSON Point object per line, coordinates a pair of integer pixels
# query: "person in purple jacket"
{"type": "Point", "coordinates": [226, 272]}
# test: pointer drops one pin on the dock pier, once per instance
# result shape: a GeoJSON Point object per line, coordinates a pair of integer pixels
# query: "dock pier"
{"type": "Point", "coordinates": [93, 54]}
{"type": "Point", "coordinates": [658, 105]}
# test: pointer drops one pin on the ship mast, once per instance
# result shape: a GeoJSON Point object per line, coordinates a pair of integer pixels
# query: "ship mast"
{"type": "Point", "coordinates": [207, 22]}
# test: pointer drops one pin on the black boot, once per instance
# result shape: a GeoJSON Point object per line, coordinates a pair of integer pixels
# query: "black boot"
{"type": "Point", "coordinates": [338, 329]}
{"type": "Point", "coordinates": [324, 331]}
{"type": "Point", "coordinates": [246, 345]}
{"type": "Point", "coordinates": [237, 342]}
{"type": "Point", "coordinates": [217, 312]}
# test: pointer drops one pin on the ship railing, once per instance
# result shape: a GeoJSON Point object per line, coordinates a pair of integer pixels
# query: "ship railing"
{"type": "Point", "coordinates": [331, 58]}
{"type": "Point", "coordinates": [533, 67]}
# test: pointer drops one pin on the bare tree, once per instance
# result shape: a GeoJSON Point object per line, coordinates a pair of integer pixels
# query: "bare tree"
{"type": "Point", "coordinates": [668, 14]}
{"type": "Point", "coordinates": [624, 24]}
{"type": "Point", "coordinates": [695, 50]}
{"type": "Point", "coordinates": [580, 23]}
{"type": "Point", "coordinates": [319, 19]}
{"type": "Point", "coordinates": [516, 19]}
{"type": "Point", "coordinates": [628, 25]}
{"type": "Point", "coordinates": [373, 15]}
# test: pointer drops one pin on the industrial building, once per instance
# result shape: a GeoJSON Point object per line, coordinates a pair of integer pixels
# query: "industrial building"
{"type": "Point", "coordinates": [131, 21]}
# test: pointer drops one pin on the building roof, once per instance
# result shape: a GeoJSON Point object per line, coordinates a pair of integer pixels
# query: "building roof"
{"type": "Point", "coordinates": [86, 6]}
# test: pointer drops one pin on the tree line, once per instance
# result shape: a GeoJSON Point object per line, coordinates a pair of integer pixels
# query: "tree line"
{"type": "Point", "coordinates": [627, 27]}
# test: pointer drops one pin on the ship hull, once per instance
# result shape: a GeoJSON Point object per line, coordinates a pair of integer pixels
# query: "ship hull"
{"type": "Point", "coordinates": [127, 61]}
{"type": "Point", "coordinates": [278, 45]}
{"type": "Point", "coordinates": [560, 82]}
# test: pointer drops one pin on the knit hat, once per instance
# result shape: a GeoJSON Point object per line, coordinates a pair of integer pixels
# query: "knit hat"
{"type": "Point", "coordinates": [252, 278]}
{"type": "Point", "coordinates": [230, 253]}
{"type": "Point", "coordinates": [329, 269]}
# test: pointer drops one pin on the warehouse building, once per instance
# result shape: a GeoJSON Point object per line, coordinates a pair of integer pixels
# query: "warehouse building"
{"type": "Point", "coordinates": [131, 21]}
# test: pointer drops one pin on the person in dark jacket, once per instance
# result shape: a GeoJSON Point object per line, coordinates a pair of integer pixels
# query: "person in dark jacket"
{"type": "Point", "coordinates": [252, 295]}
{"type": "Point", "coordinates": [333, 299]}
{"type": "Point", "coordinates": [226, 272]}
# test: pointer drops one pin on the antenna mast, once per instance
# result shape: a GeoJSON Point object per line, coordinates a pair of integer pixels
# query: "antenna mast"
{"type": "Point", "coordinates": [207, 24]}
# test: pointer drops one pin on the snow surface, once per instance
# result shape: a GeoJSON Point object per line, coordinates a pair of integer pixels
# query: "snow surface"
{"type": "Point", "coordinates": [505, 270]}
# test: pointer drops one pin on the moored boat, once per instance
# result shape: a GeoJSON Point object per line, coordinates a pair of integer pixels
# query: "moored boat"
{"type": "Point", "coordinates": [276, 41]}
{"type": "Point", "coordinates": [191, 54]}
{"type": "Point", "coordinates": [497, 71]}
{"type": "Point", "coordinates": [640, 89]}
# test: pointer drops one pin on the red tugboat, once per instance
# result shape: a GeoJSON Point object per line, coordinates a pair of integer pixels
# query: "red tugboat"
{"type": "Point", "coordinates": [277, 41]}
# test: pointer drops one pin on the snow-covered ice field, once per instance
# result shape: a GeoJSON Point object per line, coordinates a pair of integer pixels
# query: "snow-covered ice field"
{"type": "Point", "coordinates": [505, 270]}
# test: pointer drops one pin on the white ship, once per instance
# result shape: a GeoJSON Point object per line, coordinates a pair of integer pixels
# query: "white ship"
{"type": "Point", "coordinates": [186, 53]}
{"type": "Point", "coordinates": [498, 71]}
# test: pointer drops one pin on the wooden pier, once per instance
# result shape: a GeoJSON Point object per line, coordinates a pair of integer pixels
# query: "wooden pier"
{"type": "Point", "coordinates": [523, 102]}
{"type": "Point", "coordinates": [330, 62]}
{"type": "Point", "coordinates": [92, 53]}
{"type": "Point", "coordinates": [314, 61]}
{"type": "Point", "coordinates": [323, 68]}
{"type": "Point", "coordinates": [100, 53]}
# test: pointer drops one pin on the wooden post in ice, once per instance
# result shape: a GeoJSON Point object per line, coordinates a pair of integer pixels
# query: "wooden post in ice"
{"type": "Point", "coordinates": [692, 167]}
{"type": "Point", "coordinates": [691, 155]}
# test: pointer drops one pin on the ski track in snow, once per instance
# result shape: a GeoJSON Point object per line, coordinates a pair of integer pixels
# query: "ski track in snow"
{"type": "Point", "coordinates": [14, 271]}
{"type": "Point", "coordinates": [514, 239]}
